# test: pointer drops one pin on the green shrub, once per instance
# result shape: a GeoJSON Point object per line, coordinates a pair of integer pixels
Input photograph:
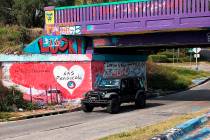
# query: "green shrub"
{"type": "Point", "coordinates": [12, 38]}
{"type": "Point", "coordinates": [14, 98]}
{"type": "Point", "coordinates": [187, 59]}
{"type": "Point", "coordinates": [166, 78]}
{"type": "Point", "coordinates": [158, 58]}
{"type": "Point", "coordinates": [167, 54]}
{"type": "Point", "coordinates": [169, 57]}
{"type": "Point", "coordinates": [11, 98]}
{"type": "Point", "coordinates": [30, 106]}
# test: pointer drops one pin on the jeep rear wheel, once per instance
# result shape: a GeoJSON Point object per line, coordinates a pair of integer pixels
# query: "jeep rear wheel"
{"type": "Point", "coordinates": [140, 101]}
{"type": "Point", "coordinates": [113, 106]}
{"type": "Point", "coordinates": [87, 107]}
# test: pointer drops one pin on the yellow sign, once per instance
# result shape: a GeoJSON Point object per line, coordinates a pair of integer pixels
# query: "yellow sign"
{"type": "Point", "coordinates": [49, 17]}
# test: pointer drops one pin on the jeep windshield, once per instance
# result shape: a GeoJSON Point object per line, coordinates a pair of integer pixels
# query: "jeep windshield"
{"type": "Point", "coordinates": [109, 83]}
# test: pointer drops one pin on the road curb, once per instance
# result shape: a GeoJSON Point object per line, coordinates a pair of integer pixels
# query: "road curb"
{"type": "Point", "coordinates": [183, 129]}
{"type": "Point", "coordinates": [200, 83]}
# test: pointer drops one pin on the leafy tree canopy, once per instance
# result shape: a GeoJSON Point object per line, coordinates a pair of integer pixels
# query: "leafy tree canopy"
{"type": "Point", "coordinates": [30, 13]}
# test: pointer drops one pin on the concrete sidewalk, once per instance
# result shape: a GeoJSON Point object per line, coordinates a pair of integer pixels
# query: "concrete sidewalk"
{"type": "Point", "coordinates": [189, 130]}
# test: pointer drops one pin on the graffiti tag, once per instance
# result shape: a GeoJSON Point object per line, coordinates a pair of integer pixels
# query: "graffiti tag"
{"type": "Point", "coordinates": [118, 69]}
{"type": "Point", "coordinates": [69, 79]}
{"type": "Point", "coordinates": [49, 17]}
{"type": "Point", "coordinates": [55, 45]}
{"type": "Point", "coordinates": [70, 30]}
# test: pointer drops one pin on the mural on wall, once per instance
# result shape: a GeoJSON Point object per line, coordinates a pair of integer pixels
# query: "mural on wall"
{"type": "Point", "coordinates": [117, 69]}
{"type": "Point", "coordinates": [56, 45]}
{"type": "Point", "coordinates": [49, 17]}
{"type": "Point", "coordinates": [120, 69]}
{"type": "Point", "coordinates": [36, 79]}
{"type": "Point", "coordinates": [66, 79]}
{"type": "Point", "coordinates": [102, 42]}
{"type": "Point", "coordinates": [71, 78]}
{"type": "Point", "coordinates": [70, 30]}
{"type": "Point", "coordinates": [63, 30]}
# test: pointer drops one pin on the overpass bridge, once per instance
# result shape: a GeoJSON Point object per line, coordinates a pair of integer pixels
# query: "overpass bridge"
{"type": "Point", "coordinates": [83, 44]}
{"type": "Point", "coordinates": [136, 24]}
{"type": "Point", "coordinates": [132, 17]}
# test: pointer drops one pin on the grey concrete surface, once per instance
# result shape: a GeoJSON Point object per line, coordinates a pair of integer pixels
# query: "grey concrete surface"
{"type": "Point", "coordinates": [89, 126]}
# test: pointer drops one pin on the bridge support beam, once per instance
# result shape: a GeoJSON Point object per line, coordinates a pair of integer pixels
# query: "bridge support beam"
{"type": "Point", "coordinates": [156, 40]}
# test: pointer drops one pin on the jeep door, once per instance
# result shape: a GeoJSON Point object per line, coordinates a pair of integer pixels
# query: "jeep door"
{"type": "Point", "coordinates": [133, 87]}
{"type": "Point", "coordinates": [127, 91]}
{"type": "Point", "coordinates": [124, 90]}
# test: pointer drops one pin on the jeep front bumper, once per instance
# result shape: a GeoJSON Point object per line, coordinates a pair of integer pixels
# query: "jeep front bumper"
{"type": "Point", "coordinates": [95, 102]}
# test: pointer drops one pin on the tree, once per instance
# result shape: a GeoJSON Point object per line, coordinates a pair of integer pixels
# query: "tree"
{"type": "Point", "coordinates": [29, 13]}
{"type": "Point", "coordinates": [5, 11]}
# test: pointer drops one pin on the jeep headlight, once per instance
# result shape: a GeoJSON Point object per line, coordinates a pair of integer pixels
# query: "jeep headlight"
{"type": "Point", "coordinates": [86, 94]}
{"type": "Point", "coordinates": [103, 94]}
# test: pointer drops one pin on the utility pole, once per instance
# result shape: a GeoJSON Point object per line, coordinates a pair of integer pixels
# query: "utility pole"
{"type": "Point", "coordinates": [196, 59]}
{"type": "Point", "coordinates": [177, 55]}
{"type": "Point", "coordinates": [196, 55]}
{"type": "Point", "coordinates": [173, 55]}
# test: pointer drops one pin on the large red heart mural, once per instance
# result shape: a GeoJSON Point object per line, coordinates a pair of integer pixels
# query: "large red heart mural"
{"type": "Point", "coordinates": [73, 79]}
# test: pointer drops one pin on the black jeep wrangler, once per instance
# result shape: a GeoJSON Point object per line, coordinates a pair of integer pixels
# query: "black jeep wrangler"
{"type": "Point", "coordinates": [112, 92]}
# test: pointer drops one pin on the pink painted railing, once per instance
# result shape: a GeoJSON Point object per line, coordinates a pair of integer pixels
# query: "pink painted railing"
{"type": "Point", "coordinates": [131, 10]}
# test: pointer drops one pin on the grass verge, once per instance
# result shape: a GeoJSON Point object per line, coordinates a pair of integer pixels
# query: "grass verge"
{"type": "Point", "coordinates": [148, 132]}
{"type": "Point", "coordinates": [4, 116]}
{"type": "Point", "coordinates": [171, 78]}
{"type": "Point", "coordinates": [13, 37]}
{"type": "Point", "coordinates": [50, 110]}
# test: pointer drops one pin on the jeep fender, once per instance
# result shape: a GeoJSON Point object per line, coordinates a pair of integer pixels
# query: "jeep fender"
{"type": "Point", "coordinates": [110, 95]}
{"type": "Point", "coordinates": [139, 92]}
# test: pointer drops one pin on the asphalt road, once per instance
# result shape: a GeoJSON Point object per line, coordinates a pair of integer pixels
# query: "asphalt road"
{"type": "Point", "coordinates": [88, 126]}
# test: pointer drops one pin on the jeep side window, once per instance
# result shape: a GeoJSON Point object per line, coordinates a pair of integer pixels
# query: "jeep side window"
{"type": "Point", "coordinates": [124, 84]}
{"type": "Point", "coordinates": [136, 84]}
{"type": "Point", "coordinates": [130, 84]}
{"type": "Point", "coordinates": [141, 82]}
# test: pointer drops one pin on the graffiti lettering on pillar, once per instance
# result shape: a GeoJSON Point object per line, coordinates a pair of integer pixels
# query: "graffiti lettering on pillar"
{"type": "Point", "coordinates": [118, 69]}
{"type": "Point", "coordinates": [56, 45]}
{"type": "Point", "coordinates": [70, 30]}
{"type": "Point", "coordinates": [69, 79]}
{"type": "Point", "coordinates": [63, 30]}
{"type": "Point", "coordinates": [101, 42]}
{"type": "Point", "coordinates": [49, 17]}
{"type": "Point", "coordinates": [102, 70]}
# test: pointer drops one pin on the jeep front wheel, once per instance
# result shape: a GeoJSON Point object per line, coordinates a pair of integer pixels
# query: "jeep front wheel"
{"type": "Point", "coordinates": [113, 106]}
{"type": "Point", "coordinates": [140, 101]}
{"type": "Point", "coordinates": [87, 107]}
